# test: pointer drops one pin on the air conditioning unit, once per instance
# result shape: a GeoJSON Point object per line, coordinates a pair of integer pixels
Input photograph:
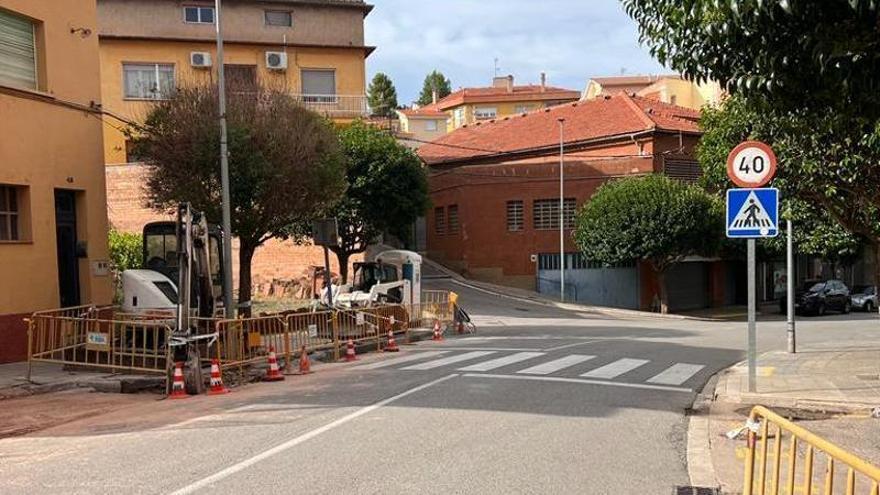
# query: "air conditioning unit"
{"type": "Point", "coordinates": [200, 59]}
{"type": "Point", "coordinates": [276, 60]}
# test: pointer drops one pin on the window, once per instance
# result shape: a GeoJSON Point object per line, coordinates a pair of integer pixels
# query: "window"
{"type": "Point", "coordinates": [18, 52]}
{"type": "Point", "coordinates": [485, 113]}
{"type": "Point", "coordinates": [439, 220]}
{"type": "Point", "coordinates": [9, 214]}
{"type": "Point", "coordinates": [452, 218]}
{"type": "Point", "coordinates": [523, 109]}
{"type": "Point", "coordinates": [430, 125]}
{"type": "Point", "coordinates": [319, 86]}
{"type": "Point", "coordinates": [240, 78]}
{"type": "Point", "coordinates": [198, 15]}
{"type": "Point", "coordinates": [279, 18]}
{"type": "Point", "coordinates": [546, 213]}
{"type": "Point", "coordinates": [514, 216]}
{"type": "Point", "coordinates": [673, 99]}
{"type": "Point", "coordinates": [576, 261]}
{"type": "Point", "coordinates": [458, 117]}
{"type": "Point", "coordinates": [148, 81]}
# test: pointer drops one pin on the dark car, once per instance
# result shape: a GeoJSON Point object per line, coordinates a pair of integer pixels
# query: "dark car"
{"type": "Point", "coordinates": [820, 296]}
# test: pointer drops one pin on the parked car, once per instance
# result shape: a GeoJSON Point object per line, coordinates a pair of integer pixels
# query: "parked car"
{"type": "Point", "coordinates": [864, 297]}
{"type": "Point", "coordinates": [819, 296]}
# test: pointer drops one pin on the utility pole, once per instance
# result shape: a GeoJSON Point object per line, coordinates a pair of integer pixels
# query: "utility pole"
{"type": "Point", "coordinates": [224, 171]}
{"type": "Point", "coordinates": [562, 210]}
{"type": "Point", "coordinates": [789, 282]}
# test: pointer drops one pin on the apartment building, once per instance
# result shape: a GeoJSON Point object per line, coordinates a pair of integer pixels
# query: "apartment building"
{"type": "Point", "coordinates": [313, 48]}
{"type": "Point", "coordinates": [53, 215]}
{"type": "Point", "coordinates": [668, 88]}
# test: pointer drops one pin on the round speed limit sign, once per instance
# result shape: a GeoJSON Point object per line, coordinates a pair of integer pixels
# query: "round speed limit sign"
{"type": "Point", "coordinates": [752, 164]}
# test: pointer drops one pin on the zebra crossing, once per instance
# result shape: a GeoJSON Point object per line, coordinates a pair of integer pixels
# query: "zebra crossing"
{"type": "Point", "coordinates": [581, 368]}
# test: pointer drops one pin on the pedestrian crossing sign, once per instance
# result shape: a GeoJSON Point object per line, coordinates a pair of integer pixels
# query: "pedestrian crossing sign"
{"type": "Point", "coordinates": [752, 213]}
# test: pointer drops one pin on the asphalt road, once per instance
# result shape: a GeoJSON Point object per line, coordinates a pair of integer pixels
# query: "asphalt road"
{"type": "Point", "coordinates": [541, 400]}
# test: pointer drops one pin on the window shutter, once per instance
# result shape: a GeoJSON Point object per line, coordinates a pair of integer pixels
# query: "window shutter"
{"type": "Point", "coordinates": [318, 82]}
{"type": "Point", "coordinates": [18, 60]}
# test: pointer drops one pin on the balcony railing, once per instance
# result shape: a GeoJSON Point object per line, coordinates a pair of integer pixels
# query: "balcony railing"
{"type": "Point", "coordinates": [336, 106]}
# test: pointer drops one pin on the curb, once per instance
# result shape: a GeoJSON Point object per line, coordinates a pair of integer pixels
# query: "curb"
{"type": "Point", "coordinates": [701, 469]}
{"type": "Point", "coordinates": [123, 385]}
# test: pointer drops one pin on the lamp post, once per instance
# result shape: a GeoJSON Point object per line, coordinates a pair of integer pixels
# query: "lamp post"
{"type": "Point", "coordinates": [562, 210]}
{"type": "Point", "coordinates": [224, 171]}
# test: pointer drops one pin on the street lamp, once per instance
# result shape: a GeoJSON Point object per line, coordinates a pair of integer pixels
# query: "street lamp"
{"type": "Point", "coordinates": [562, 210]}
{"type": "Point", "coordinates": [224, 171]}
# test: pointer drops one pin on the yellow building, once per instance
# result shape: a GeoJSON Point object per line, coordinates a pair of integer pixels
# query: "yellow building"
{"type": "Point", "coordinates": [421, 125]}
{"type": "Point", "coordinates": [313, 48]}
{"type": "Point", "coordinates": [53, 214]}
{"type": "Point", "coordinates": [503, 99]}
{"type": "Point", "coordinates": [669, 88]}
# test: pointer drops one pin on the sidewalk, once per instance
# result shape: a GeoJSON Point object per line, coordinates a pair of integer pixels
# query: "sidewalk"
{"type": "Point", "coordinates": [831, 391]}
{"type": "Point", "coordinates": [47, 378]}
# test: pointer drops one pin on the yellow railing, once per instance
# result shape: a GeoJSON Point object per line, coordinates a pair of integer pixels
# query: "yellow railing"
{"type": "Point", "coordinates": [767, 474]}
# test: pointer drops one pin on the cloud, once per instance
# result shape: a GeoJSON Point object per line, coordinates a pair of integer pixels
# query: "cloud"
{"type": "Point", "coordinates": [570, 40]}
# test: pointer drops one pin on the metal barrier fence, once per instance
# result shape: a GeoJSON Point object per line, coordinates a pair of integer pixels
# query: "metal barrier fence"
{"type": "Point", "coordinates": [93, 337]}
{"type": "Point", "coordinates": [436, 305]}
{"type": "Point", "coordinates": [766, 473]}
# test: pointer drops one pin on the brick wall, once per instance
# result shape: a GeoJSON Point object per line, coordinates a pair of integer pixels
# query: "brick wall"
{"type": "Point", "coordinates": [276, 260]}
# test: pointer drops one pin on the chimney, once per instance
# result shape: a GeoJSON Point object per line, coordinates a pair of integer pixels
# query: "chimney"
{"type": "Point", "coordinates": [543, 82]}
{"type": "Point", "coordinates": [510, 84]}
{"type": "Point", "coordinates": [499, 82]}
{"type": "Point", "coordinates": [434, 96]}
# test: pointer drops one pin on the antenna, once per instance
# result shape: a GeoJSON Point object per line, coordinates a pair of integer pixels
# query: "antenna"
{"type": "Point", "coordinates": [497, 68]}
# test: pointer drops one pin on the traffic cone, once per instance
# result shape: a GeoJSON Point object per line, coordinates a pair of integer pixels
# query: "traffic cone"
{"type": "Point", "coordinates": [438, 334]}
{"type": "Point", "coordinates": [392, 344]}
{"type": "Point", "coordinates": [305, 366]}
{"type": "Point", "coordinates": [274, 374]}
{"type": "Point", "coordinates": [217, 387]}
{"type": "Point", "coordinates": [178, 388]}
{"type": "Point", "coordinates": [349, 351]}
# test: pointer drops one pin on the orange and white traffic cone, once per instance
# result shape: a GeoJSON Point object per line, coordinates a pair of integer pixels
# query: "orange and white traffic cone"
{"type": "Point", "coordinates": [305, 366]}
{"type": "Point", "coordinates": [350, 355]}
{"type": "Point", "coordinates": [274, 374]}
{"type": "Point", "coordinates": [392, 344]}
{"type": "Point", "coordinates": [178, 388]}
{"type": "Point", "coordinates": [438, 334]}
{"type": "Point", "coordinates": [217, 387]}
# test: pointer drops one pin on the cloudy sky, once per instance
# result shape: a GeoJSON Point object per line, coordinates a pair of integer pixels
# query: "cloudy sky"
{"type": "Point", "coordinates": [571, 40]}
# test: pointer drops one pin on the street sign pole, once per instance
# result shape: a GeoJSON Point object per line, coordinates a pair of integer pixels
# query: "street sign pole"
{"type": "Point", "coordinates": [224, 171]}
{"type": "Point", "coordinates": [789, 258]}
{"type": "Point", "coordinates": [753, 346]}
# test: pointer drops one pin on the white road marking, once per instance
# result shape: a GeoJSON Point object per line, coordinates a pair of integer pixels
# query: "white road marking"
{"type": "Point", "coordinates": [677, 374]}
{"type": "Point", "coordinates": [580, 381]}
{"type": "Point", "coordinates": [399, 360]}
{"type": "Point", "coordinates": [447, 361]}
{"type": "Point", "coordinates": [497, 349]}
{"type": "Point", "coordinates": [556, 365]}
{"type": "Point", "coordinates": [566, 346]}
{"type": "Point", "coordinates": [502, 361]}
{"type": "Point", "coordinates": [615, 369]}
{"type": "Point", "coordinates": [229, 471]}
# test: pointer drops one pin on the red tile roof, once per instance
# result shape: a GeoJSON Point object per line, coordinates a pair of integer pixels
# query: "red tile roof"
{"type": "Point", "coordinates": [491, 94]}
{"type": "Point", "coordinates": [425, 111]}
{"type": "Point", "coordinates": [589, 120]}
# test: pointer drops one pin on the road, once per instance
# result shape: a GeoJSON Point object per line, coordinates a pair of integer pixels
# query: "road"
{"type": "Point", "coordinates": [541, 400]}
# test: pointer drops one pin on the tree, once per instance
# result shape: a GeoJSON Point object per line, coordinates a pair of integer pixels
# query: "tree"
{"type": "Point", "coordinates": [285, 164]}
{"type": "Point", "coordinates": [126, 253]}
{"type": "Point", "coordinates": [435, 81]}
{"type": "Point", "coordinates": [382, 96]}
{"type": "Point", "coordinates": [387, 190]}
{"type": "Point", "coordinates": [803, 77]}
{"type": "Point", "coordinates": [653, 219]}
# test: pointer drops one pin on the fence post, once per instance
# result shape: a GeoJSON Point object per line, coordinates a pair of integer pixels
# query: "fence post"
{"type": "Point", "coordinates": [380, 323]}
{"type": "Point", "coordinates": [334, 323]}
{"type": "Point", "coordinates": [287, 358]}
{"type": "Point", "coordinates": [30, 332]}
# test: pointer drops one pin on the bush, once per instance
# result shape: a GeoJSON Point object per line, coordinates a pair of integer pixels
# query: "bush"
{"type": "Point", "coordinates": [125, 253]}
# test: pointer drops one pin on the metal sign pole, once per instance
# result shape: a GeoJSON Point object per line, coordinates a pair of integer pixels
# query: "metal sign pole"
{"type": "Point", "coordinates": [789, 256]}
{"type": "Point", "coordinates": [752, 317]}
{"type": "Point", "coordinates": [224, 171]}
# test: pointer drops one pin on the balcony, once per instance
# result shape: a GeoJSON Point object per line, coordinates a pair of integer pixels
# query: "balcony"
{"type": "Point", "coordinates": [336, 106]}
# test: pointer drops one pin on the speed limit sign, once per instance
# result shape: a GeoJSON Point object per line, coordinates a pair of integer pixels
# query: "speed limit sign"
{"type": "Point", "coordinates": [752, 164]}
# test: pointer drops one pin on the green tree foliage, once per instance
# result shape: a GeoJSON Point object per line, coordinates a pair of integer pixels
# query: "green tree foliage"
{"type": "Point", "coordinates": [653, 219]}
{"type": "Point", "coordinates": [126, 253]}
{"type": "Point", "coordinates": [434, 81]}
{"type": "Point", "coordinates": [387, 190]}
{"type": "Point", "coordinates": [804, 79]}
{"type": "Point", "coordinates": [382, 96]}
{"type": "Point", "coordinates": [285, 164]}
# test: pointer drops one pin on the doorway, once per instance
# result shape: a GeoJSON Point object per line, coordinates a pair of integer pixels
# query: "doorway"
{"type": "Point", "coordinates": [65, 235]}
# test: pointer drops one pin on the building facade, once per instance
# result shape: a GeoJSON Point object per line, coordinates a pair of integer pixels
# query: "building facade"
{"type": "Point", "coordinates": [313, 49]}
{"type": "Point", "coordinates": [495, 193]}
{"type": "Point", "coordinates": [53, 216]}
{"type": "Point", "coordinates": [421, 125]}
{"type": "Point", "coordinates": [669, 88]}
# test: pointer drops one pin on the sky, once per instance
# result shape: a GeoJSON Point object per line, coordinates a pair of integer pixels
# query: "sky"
{"type": "Point", "coordinates": [570, 40]}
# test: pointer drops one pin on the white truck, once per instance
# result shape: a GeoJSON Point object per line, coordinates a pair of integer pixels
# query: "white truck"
{"type": "Point", "coordinates": [394, 277]}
